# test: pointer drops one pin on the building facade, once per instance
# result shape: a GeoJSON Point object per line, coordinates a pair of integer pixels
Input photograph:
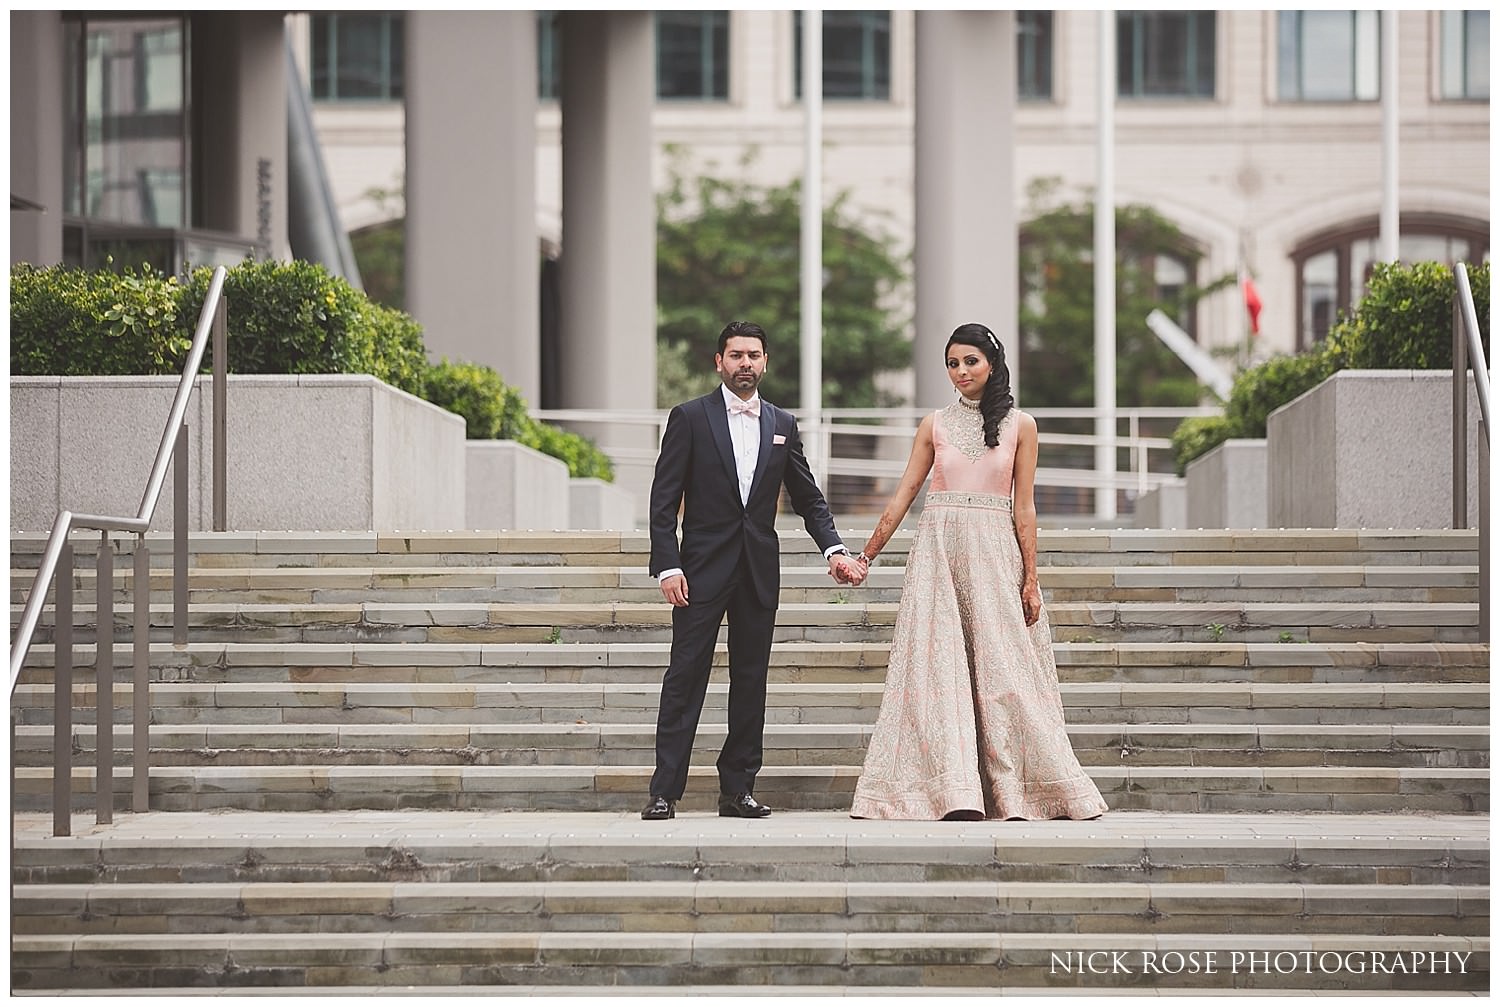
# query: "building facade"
{"type": "Point", "coordinates": [1258, 133]}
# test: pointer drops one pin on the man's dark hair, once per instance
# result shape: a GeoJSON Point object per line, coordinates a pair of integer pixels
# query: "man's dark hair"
{"type": "Point", "coordinates": [742, 329]}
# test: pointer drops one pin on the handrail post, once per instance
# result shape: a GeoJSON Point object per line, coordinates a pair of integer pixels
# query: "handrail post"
{"type": "Point", "coordinates": [1460, 417]}
{"type": "Point", "coordinates": [140, 685]}
{"type": "Point", "coordinates": [180, 539]}
{"type": "Point", "coordinates": [62, 698]}
{"type": "Point", "coordinates": [104, 687]}
{"type": "Point", "coordinates": [220, 386]}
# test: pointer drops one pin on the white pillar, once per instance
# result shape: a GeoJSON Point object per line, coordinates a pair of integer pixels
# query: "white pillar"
{"type": "Point", "coordinates": [812, 239]}
{"type": "Point", "coordinates": [1390, 159]}
{"type": "Point", "coordinates": [965, 236]}
{"type": "Point", "coordinates": [1104, 276]}
{"type": "Point", "coordinates": [608, 260]}
{"type": "Point", "coordinates": [36, 131]}
{"type": "Point", "coordinates": [473, 266]}
{"type": "Point", "coordinates": [241, 85]}
{"type": "Point", "coordinates": [607, 268]}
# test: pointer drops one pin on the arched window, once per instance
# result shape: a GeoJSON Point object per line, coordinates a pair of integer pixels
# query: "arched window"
{"type": "Point", "coordinates": [1333, 267]}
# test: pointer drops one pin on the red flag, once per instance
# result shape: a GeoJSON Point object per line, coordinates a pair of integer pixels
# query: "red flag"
{"type": "Point", "coordinates": [1252, 304]}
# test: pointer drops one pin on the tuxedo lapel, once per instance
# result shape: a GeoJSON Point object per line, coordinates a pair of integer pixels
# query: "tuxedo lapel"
{"type": "Point", "coordinates": [718, 423]}
{"type": "Point", "coordinates": [767, 428]}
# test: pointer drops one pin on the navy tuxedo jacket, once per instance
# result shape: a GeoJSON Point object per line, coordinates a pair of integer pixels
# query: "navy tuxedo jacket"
{"type": "Point", "coordinates": [721, 537]}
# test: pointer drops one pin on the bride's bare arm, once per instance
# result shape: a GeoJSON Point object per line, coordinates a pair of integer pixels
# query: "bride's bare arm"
{"type": "Point", "coordinates": [1023, 507]}
{"type": "Point", "coordinates": [917, 467]}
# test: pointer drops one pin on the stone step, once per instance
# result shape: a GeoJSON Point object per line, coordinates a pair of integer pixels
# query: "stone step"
{"type": "Point", "coordinates": [1395, 745]}
{"type": "Point", "coordinates": [794, 662]}
{"type": "Point", "coordinates": [989, 959]}
{"type": "Point", "coordinates": [769, 906]}
{"type": "Point", "coordinates": [810, 846]}
{"type": "Point", "coordinates": [804, 703]}
{"type": "Point", "coordinates": [583, 585]}
{"type": "Point", "coordinates": [614, 788]}
{"type": "Point", "coordinates": [608, 622]}
{"type": "Point", "coordinates": [1055, 547]}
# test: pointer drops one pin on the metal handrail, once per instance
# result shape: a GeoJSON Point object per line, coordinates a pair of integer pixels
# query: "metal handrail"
{"type": "Point", "coordinates": [57, 563]}
{"type": "Point", "coordinates": [1467, 346]}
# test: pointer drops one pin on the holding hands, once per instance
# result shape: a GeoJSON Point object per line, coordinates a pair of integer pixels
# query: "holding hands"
{"type": "Point", "coordinates": [848, 569]}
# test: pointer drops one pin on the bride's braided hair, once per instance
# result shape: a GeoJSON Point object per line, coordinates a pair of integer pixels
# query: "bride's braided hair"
{"type": "Point", "coordinates": [997, 399]}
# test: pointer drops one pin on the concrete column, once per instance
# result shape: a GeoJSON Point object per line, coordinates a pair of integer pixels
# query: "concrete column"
{"type": "Point", "coordinates": [473, 267]}
{"type": "Point", "coordinates": [607, 270]}
{"type": "Point", "coordinates": [239, 93]}
{"type": "Point", "coordinates": [608, 262]}
{"type": "Point", "coordinates": [965, 240]}
{"type": "Point", "coordinates": [37, 120]}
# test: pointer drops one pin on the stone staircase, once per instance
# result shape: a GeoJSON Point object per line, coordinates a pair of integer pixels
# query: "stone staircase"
{"type": "Point", "coordinates": [427, 752]}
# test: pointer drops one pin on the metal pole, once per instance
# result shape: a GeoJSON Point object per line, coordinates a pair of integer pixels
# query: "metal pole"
{"type": "Point", "coordinates": [1104, 278]}
{"type": "Point", "coordinates": [1390, 206]}
{"type": "Point", "coordinates": [180, 539]}
{"type": "Point", "coordinates": [104, 687]}
{"type": "Point", "coordinates": [1460, 418]}
{"type": "Point", "coordinates": [62, 698]}
{"type": "Point", "coordinates": [140, 685]}
{"type": "Point", "coordinates": [221, 385]}
{"type": "Point", "coordinates": [812, 239]}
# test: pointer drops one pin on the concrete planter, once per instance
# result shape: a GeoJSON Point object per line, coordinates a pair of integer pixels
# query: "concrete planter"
{"type": "Point", "coordinates": [513, 487]}
{"type": "Point", "coordinates": [1163, 507]}
{"type": "Point", "coordinates": [1369, 449]}
{"type": "Point", "coordinates": [598, 505]}
{"type": "Point", "coordinates": [305, 452]}
{"type": "Point", "coordinates": [1226, 487]}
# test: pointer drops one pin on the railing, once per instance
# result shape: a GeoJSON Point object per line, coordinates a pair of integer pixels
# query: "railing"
{"type": "Point", "coordinates": [57, 563]}
{"type": "Point", "coordinates": [1066, 435]}
{"type": "Point", "coordinates": [1468, 347]}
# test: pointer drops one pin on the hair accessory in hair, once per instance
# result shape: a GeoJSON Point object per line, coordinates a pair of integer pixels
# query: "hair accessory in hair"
{"type": "Point", "coordinates": [993, 340]}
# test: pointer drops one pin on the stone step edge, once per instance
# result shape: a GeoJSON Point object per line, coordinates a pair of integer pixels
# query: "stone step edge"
{"type": "Point", "coordinates": [1225, 654]}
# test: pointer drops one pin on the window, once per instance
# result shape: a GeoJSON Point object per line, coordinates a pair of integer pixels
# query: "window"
{"type": "Point", "coordinates": [1465, 58]}
{"type": "Point", "coordinates": [856, 55]}
{"type": "Point", "coordinates": [357, 57]}
{"type": "Point", "coordinates": [1333, 269]}
{"type": "Point", "coordinates": [126, 142]}
{"type": "Point", "coordinates": [548, 56]}
{"type": "Point", "coordinates": [1328, 55]}
{"type": "Point", "coordinates": [1033, 54]}
{"type": "Point", "coordinates": [1165, 54]}
{"type": "Point", "coordinates": [692, 55]}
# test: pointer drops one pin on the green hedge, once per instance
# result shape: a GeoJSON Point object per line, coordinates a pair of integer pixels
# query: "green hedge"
{"type": "Point", "coordinates": [284, 318]}
{"type": "Point", "coordinates": [1404, 322]}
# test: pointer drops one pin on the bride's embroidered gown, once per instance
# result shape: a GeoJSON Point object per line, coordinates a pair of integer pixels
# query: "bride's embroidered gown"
{"type": "Point", "coordinates": [971, 719]}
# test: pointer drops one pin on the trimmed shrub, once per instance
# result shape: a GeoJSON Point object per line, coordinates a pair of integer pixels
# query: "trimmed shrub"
{"type": "Point", "coordinates": [492, 409]}
{"type": "Point", "coordinates": [1405, 321]}
{"type": "Point", "coordinates": [1266, 387]}
{"type": "Point", "coordinates": [69, 322]}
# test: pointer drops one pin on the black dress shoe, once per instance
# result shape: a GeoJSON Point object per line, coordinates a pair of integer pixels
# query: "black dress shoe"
{"type": "Point", "coordinates": [741, 806]}
{"type": "Point", "coordinates": [659, 809]}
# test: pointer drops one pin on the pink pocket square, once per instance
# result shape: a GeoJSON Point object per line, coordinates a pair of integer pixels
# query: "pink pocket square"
{"type": "Point", "coordinates": [778, 439]}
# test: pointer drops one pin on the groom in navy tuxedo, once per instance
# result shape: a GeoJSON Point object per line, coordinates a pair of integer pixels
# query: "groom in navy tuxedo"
{"type": "Point", "coordinates": [724, 458]}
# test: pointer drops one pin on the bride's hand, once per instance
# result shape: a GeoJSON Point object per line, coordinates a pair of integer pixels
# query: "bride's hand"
{"type": "Point", "coordinates": [1031, 602]}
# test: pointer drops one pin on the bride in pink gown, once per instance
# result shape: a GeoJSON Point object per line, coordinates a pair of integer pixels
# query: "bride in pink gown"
{"type": "Point", "coordinates": [971, 721]}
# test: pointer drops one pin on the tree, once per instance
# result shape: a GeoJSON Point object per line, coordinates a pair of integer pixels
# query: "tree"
{"type": "Point", "coordinates": [730, 250]}
{"type": "Point", "coordinates": [1057, 305]}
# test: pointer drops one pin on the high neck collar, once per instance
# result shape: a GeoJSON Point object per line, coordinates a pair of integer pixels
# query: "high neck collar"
{"type": "Point", "coordinates": [967, 403]}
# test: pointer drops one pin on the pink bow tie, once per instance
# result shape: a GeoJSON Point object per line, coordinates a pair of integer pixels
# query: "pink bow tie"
{"type": "Point", "coordinates": [750, 408]}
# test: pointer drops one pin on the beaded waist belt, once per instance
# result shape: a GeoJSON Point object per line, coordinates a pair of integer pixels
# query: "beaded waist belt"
{"type": "Point", "coordinates": [955, 498]}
